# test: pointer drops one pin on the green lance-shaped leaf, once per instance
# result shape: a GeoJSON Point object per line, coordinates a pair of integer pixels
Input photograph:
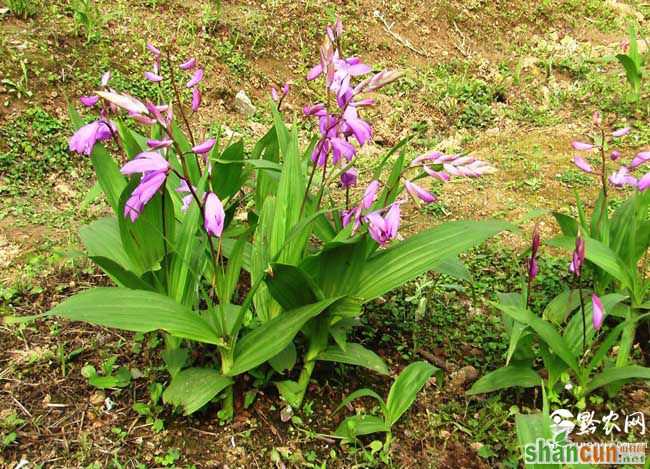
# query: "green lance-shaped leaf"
{"type": "Point", "coordinates": [507, 377]}
{"type": "Point", "coordinates": [545, 331]}
{"type": "Point", "coordinates": [227, 175]}
{"type": "Point", "coordinates": [422, 252]}
{"type": "Point", "coordinates": [355, 354]}
{"type": "Point", "coordinates": [109, 176]}
{"type": "Point", "coordinates": [133, 310]}
{"type": "Point", "coordinates": [273, 336]}
{"type": "Point", "coordinates": [405, 389]}
{"type": "Point", "coordinates": [599, 254]}
{"type": "Point", "coordinates": [359, 425]}
{"type": "Point", "coordinates": [291, 286]}
{"type": "Point", "coordinates": [530, 428]}
{"type": "Point", "coordinates": [194, 387]}
{"type": "Point", "coordinates": [614, 374]}
{"type": "Point", "coordinates": [101, 238]}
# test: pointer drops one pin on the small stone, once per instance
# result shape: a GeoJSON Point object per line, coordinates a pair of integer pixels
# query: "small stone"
{"type": "Point", "coordinates": [243, 104]}
{"type": "Point", "coordinates": [97, 398]}
{"type": "Point", "coordinates": [465, 375]}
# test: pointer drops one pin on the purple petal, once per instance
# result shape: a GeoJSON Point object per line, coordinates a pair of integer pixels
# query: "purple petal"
{"type": "Point", "coordinates": [204, 147]}
{"type": "Point", "coordinates": [196, 98]}
{"type": "Point", "coordinates": [191, 63]}
{"type": "Point", "coordinates": [370, 195]}
{"type": "Point", "coordinates": [621, 132]}
{"type": "Point", "coordinates": [89, 101]}
{"type": "Point", "coordinates": [145, 162]}
{"type": "Point", "coordinates": [105, 79]}
{"type": "Point", "coordinates": [214, 215]}
{"type": "Point", "coordinates": [153, 49]}
{"type": "Point", "coordinates": [85, 138]}
{"type": "Point", "coordinates": [315, 72]}
{"type": "Point", "coordinates": [441, 175]}
{"type": "Point", "coordinates": [124, 101]}
{"type": "Point", "coordinates": [157, 144]}
{"type": "Point", "coordinates": [581, 163]}
{"type": "Point", "coordinates": [622, 178]}
{"type": "Point", "coordinates": [640, 159]}
{"type": "Point", "coordinates": [615, 155]}
{"type": "Point", "coordinates": [419, 193]}
{"type": "Point", "coordinates": [196, 78]}
{"type": "Point", "coordinates": [342, 148]}
{"type": "Point", "coordinates": [392, 221]}
{"type": "Point", "coordinates": [582, 146]}
{"type": "Point", "coordinates": [598, 312]}
{"type": "Point", "coordinates": [359, 69]}
{"type": "Point", "coordinates": [644, 182]}
{"type": "Point", "coordinates": [151, 76]}
{"type": "Point", "coordinates": [349, 178]}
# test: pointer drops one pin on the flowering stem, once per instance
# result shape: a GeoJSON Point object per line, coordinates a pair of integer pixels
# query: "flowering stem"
{"type": "Point", "coordinates": [322, 187]}
{"type": "Point", "coordinates": [347, 198]}
{"type": "Point", "coordinates": [178, 98]}
{"type": "Point", "coordinates": [529, 290]}
{"type": "Point", "coordinates": [304, 198]}
{"type": "Point", "coordinates": [584, 320]}
{"type": "Point", "coordinates": [603, 175]}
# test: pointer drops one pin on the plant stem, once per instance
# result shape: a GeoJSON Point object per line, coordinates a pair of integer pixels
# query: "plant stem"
{"type": "Point", "coordinates": [178, 97]}
{"type": "Point", "coordinates": [304, 198]}
{"type": "Point", "coordinates": [584, 320]}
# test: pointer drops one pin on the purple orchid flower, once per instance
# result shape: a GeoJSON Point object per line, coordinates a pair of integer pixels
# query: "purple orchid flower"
{"type": "Point", "coordinates": [146, 162]}
{"type": "Point", "coordinates": [533, 267]}
{"type": "Point", "coordinates": [640, 159]}
{"type": "Point", "coordinates": [89, 101]}
{"type": "Point", "coordinates": [582, 164]}
{"type": "Point", "coordinates": [418, 192]}
{"type": "Point", "coordinates": [83, 140]}
{"type": "Point", "coordinates": [158, 144]}
{"type": "Point", "coordinates": [383, 229]}
{"type": "Point", "coordinates": [153, 77]}
{"type": "Point", "coordinates": [353, 125]}
{"type": "Point", "coordinates": [582, 146]}
{"type": "Point", "coordinates": [342, 148]}
{"type": "Point", "coordinates": [644, 182]}
{"type": "Point", "coordinates": [154, 168]}
{"type": "Point", "coordinates": [124, 101]}
{"type": "Point", "coordinates": [150, 183]}
{"type": "Point", "coordinates": [196, 78]}
{"type": "Point", "coordinates": [196, 98]}
{"type": "Point", "coordinates": [621, 132]}
{"type": "Point", "coordinates": [106, 77]}
{"type": "Point", "coordinates": [184, 188]}
{"type": "Point", "coordinates": [578, 257]}
{"type": "Point", "coordinates": [598, 311]}
{"type": "Point", "coordinates": [615, 155]}
{"type": "Point", "coordinates": [214, 215]}
{"type": "Point", "coordinates": [349, 178]}
{"type": "Point", "coordinates": [204, 147]}
{"type": "Point", "coordinates": [153, 49]}
{"type": "Point", "coordinates": [622, 178]}
{"type": "Point", "coordinates": [189, 64]}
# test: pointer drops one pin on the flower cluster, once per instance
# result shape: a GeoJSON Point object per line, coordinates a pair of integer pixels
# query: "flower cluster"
{"type": "Point", "coordinates": [152, 164]}
{"type": "Point", "coordinates": [339, 127]}
{"type": "Point", "coordinates": [623, 176]}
